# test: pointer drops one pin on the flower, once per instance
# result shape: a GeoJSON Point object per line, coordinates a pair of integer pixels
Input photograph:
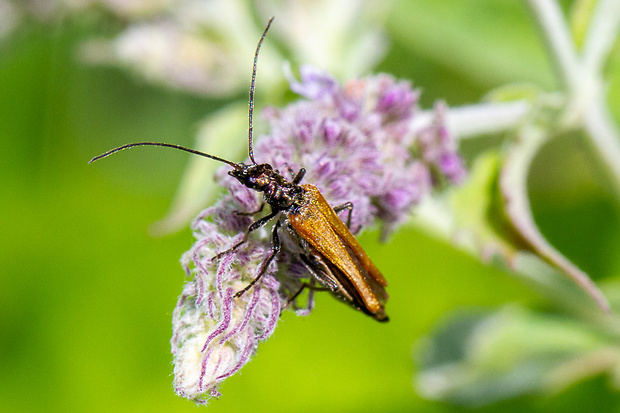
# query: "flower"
{"type": "Point", "coordinates": [357, 144]}
{"type": "Point", "coordinates": [201, 47]}
{"type": "Point", "coordinates": [437, 148]}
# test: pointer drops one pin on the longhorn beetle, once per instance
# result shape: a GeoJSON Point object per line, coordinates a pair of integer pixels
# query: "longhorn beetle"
{"type": "Point", "coordinates": [325, 244]}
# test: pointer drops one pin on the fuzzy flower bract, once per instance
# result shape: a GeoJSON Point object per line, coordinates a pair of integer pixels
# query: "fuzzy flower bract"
{"type": "Point", "coordinates": [357, 144]}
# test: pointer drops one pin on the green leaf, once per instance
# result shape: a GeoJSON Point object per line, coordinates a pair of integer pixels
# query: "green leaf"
{"type": "Point", "coordinates": [513, 187]}
{"type": "Point", "coordinates": [478, 210]}
{"type": "Point", "coordinates": [476, 359]}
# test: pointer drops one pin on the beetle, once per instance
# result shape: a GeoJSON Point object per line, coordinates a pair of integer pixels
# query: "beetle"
{"type": "Point", "coordinates": [322, 240]}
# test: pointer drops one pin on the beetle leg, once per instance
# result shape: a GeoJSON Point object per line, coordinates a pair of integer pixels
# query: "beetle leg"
{"type": "Point", "coordinates": [262, 206]}
{"type": "Point", "coordinates": [275, 248]}
{"type": "Point", "coordinates": [290, 170]}
{"type": "Point", "coordinates": [304, 286]}
{"type": "Point", "coordinates": [346, 205]}
{"type": "Point", "coordinates": [300, 175]}
{"type": "Point", "coordinates": [312, 264]}
{"type": "Point", "coordinates": [255, 225]}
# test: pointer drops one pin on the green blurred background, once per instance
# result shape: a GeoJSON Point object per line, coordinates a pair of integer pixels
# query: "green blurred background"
{"type": "Point", "coordinates": [86, 295]}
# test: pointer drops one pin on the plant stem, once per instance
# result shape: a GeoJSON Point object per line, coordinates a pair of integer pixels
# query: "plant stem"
{"type": "Point", "coordinates": [558, 40]}
{"type": "Point", "coordinates": [582, 77]}
{"type": "Point", "coordinates": [480, 119]}
{"type": "Point", "coordinates": [601, 36]}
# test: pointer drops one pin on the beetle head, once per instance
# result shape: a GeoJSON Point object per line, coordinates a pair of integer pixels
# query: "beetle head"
{"type": "Point", "coordinates": [255, 176]}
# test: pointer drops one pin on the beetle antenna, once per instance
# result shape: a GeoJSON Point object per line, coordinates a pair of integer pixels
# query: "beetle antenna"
{"type": "Point", "coordinates": [251, 104]}
{"type": "Point", "coordinates": [167, 145]}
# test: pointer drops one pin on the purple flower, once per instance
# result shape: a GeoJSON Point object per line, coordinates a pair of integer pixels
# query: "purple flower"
{"type": "Point", "coordinates": [437, 148]}
{"type": "Point", "coordinates": [314, 83]}
{"type": "Point", "coordinates": [357, 145]}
